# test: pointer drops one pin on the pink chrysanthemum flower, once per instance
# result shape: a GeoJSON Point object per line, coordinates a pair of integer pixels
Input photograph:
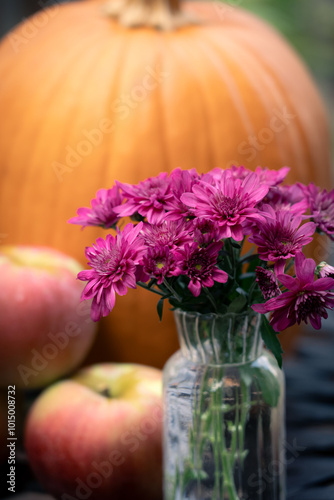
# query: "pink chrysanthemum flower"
{"type": "Point", "coordinates": [307, 299]}
{"type": "Point", "coordinates": [102, 212]}
{"type": "Point", "coordinates": [267, 282]}
{"type": "Point", "coordinates": [199, 264]}
{"type": "Point", "coordinates": [215, 175]}
{"type": "Point", "coordinates": [212, 177]}
{"type": "Point", "coordinates": [290, 198]}
{"type": "Point", "coordinates": [272, 177]}
{"type": "Point", "coordinates": [181, 181]}
{"type": "Point", "coordinates": [266, 176]}
{"type": "Point", "coordinates": [324, 270]}
{"type": "Point", "coordinates": [230, 203]}
{"type": "Point", "coordinates": [206, 231]}
{"type": "Point", "coordinates": [113, 262]}
{"type": "Point", "coordinates": [169, 233]}
{"type": "Point", "coordinates": [279, 236]}
{"type": "Point", "coordinates": [148, 198]}
{"type": "Point", "coordinates": [322, 208]}
{"type": "Point", "coordinates": [159, 263]}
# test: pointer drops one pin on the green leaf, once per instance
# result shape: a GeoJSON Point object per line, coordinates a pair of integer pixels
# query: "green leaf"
{"type": "Point", "coordinates": [265, 380]}
{"type": "Point", "coordinates": [246, 276]}
{"type": "Point", "coordinates": [254, 262]}
{"type": "Point", "coordinates": [237, 304]}
{"type": "Point", "coordinates": [235, 244]}
{"type": "Point", "coordinates": [247, 257]}
{"type": "Point", "coordinates": [269, 385]}
{"type": "Point", "coordinates": [191, 474]}
{"type": "Point", "coordinates": [269, 337]}
{"type": "Point", "coordinates": [160, 306]}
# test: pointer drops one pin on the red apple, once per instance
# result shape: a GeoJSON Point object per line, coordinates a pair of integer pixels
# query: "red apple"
{"type": "Point", "coordinates": [98, 435]}
{"type": "Point", "coordinates": [45, 332]}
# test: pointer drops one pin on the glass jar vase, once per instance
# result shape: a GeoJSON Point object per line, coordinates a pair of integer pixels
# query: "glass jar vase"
{"type": "Point", "coordinates": [224, 429]}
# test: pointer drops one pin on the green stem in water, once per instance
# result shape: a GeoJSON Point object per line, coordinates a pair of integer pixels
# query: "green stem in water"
{"type": "Point", "coordinates": [200, 424]}
{"type": "Point", "coordinates": [226, 462]}
{"type": "Point", "coordinates": [245, 406]}
{"type": "Point", "coordinates": [217, 439]}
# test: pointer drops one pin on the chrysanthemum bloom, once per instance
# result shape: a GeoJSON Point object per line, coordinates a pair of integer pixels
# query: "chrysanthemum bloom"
{"type": "Point", "coordinates": [199, 264]}
{"type": "Point", "coordinates": [169, 233]}
{"type": "Point", "coordinates": [148, 198]}
{"type": "Point", "coordinates": [324, 270]}
{"type": "Point", "coordinates": [102, 211]}
{"type": "Point", "coordinates": [307, 298]}
{"type": "Point", "coordinates": [267, 282]}
{"type": "Point", "coordinates": [181, 181]}
{"type": "Point", "coordinates": [113, 262]}
{"type": "Point", "coordinates": [272, 177]}
{"type": "Point", "coordinates": [279, 236]}
{"type": "Point", "coordinates": [322, 208]}
{"type": "Point", "coordinates": [230, 203]}
{"type": "Point", "coordinates": [206, 231]}
{"type": "Point", "coordinates": [266, 176]}
{"type": "Point", "coordinates": [290, 198]}
{"type": "Point", "coordinates": [159, 263]}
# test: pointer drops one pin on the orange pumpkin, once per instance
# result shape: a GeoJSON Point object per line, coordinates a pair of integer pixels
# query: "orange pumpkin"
{"type": "Point", "coordinates": [95, 91]}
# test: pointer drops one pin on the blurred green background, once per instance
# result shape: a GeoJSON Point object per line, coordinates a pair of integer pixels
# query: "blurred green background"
{"type": "Point", "coordinates": [309, 26]}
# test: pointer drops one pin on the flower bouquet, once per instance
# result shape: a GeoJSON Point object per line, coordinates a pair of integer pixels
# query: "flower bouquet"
{"type": "Point", "coordinates": [225, 249]}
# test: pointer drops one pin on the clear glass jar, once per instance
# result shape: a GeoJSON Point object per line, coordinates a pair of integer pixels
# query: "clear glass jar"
{"type": "Point", "coordinates": [224, 427]}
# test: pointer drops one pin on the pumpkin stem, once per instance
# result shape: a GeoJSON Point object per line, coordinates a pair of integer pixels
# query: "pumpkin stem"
{"type": "Point", "coordinates": [159, 14]}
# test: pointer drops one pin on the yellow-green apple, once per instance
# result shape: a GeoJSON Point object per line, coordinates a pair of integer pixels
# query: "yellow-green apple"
{"type": "Point", "coordinates": [45, 331]}
{"type": "Point", "coordinates": [98, 435]}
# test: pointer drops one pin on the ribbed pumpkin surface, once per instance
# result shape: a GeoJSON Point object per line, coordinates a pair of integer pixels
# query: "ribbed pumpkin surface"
{"type": "Point", "coordinates": [85, 101]}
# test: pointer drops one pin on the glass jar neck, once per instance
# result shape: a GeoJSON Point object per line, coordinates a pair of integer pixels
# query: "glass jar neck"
{"type": "Point", "coordinates": [219, 339]}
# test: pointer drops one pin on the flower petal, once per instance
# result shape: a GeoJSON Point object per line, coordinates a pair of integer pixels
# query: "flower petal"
{"type": "Point", "coordinates": [289, 282]}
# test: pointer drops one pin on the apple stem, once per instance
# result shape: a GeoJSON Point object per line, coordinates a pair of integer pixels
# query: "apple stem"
{"type": "Point", "coordinates": [106, 392]}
